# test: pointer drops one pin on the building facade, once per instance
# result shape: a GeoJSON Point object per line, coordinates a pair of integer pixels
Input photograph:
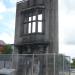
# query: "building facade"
{"type": "Point", "coordinates": [36, 28]}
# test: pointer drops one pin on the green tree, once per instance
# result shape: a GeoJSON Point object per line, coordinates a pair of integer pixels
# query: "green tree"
{"type": "Point", "coordinates": [7, 49]}
{"type": "Point", "coordinates": [73, 63]}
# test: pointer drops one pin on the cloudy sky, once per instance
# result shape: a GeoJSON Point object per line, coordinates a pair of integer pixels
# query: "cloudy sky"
{"type": "Point", "coordinates": [67, 27]}
{"type": "Point", "coordinates": [66, 24]}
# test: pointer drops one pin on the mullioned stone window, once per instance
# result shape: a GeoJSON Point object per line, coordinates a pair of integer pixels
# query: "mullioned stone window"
{"type": "Point", "coordinates": [33, 21]}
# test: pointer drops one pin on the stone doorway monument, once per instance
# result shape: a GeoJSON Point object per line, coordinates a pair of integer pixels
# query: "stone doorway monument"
{"type": "Point", "coordinates": [36, 32]}
{"type": "Point", "coordinates": [36, 28]}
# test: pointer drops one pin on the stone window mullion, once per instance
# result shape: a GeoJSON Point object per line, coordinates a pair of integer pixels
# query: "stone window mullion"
{"type": "Point", "coordinates": [43, 21]}
{"type": "Point", "coordinates": [27, 25]}
{"type": "Point", "coordinates": [37, 21]}
{"type": "Point", "coordinates": [31, 23]}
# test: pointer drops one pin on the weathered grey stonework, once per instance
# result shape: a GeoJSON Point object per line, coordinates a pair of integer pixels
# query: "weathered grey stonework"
{"type": "Point", "coordinates": [47, 40]}
{"type": "Point", "coordinates": [36, 32]}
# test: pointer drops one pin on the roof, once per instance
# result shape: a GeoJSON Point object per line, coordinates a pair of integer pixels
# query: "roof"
{"type": "Point", "coordinates": [2, 42]}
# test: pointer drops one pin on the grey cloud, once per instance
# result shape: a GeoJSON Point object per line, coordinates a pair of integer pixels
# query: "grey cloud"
{"type": "Point", "coordinates": [69, 4]}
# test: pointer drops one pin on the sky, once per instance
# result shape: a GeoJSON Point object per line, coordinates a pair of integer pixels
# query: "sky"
{"type": "Point", "coordinates": [66, 22]}
{"type": "Point", "coordinates": [67, 27]}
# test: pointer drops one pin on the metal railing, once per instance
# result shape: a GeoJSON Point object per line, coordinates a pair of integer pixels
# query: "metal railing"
{"type": "Point", "coordinates": [36, 64]}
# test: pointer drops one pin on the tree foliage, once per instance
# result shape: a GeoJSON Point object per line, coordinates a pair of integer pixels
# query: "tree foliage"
{"type": "Point", "coordinates": [7, 49]}
{"type": "Point", "coordinates": [73, 63]}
